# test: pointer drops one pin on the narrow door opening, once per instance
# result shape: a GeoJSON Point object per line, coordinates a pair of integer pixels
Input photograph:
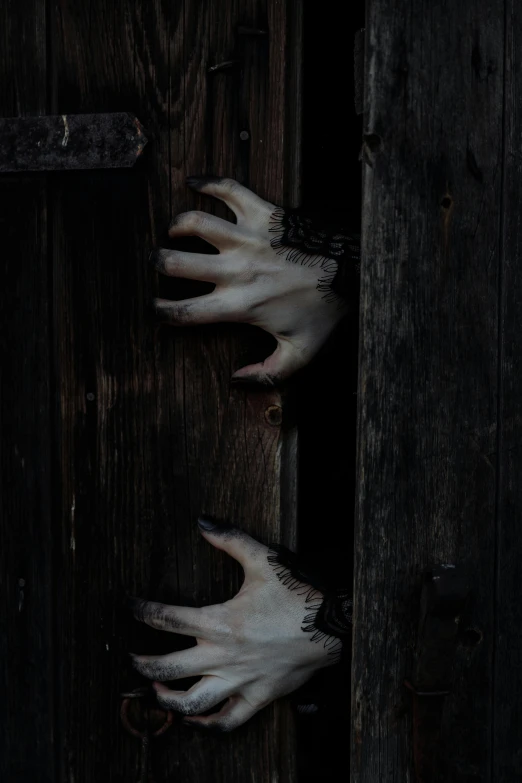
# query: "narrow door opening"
{"type": "Point", "coordinates": [327, 399]}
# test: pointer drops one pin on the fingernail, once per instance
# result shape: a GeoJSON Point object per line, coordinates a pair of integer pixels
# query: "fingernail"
{"type": "Point", "coordinates": [150, 312]}
{"type": "Point", "coordinates": [210, 525]}
{"type": "Point", "coordinates": [133, 604]}
{"type": "Point", "coordinates": [207, 523]}
{"type": "Point", "coordinates": [199, 182]}
{"type": "Point", "coordinates": [247, 380]}
{"type": "Point", "coordinates": [255, 381]}
{"type": "Point", "coordinates": [241, 380]}
{"type": "Point", "coordinates": [155, 310]}
{"type": "Point", "coordinates": [157, 258]}
{"type": "Point", "coordinates": [154, 256]}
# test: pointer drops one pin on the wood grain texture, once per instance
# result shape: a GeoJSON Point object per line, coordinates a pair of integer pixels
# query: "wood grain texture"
{"type": "Point", "coordinates": [26, 650]}
{"type": "Point", "coordinates": [506, 682]}
{"type": "Point", "coordinates": [151, 431]}
{"type": "Point", "coordinates": [429, 367]}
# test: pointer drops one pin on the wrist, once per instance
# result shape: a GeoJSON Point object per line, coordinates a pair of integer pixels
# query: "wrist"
{"type": "Point", "coordinates": [328, 616]}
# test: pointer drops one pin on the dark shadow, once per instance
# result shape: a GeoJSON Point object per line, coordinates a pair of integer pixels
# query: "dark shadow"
{"type": "Point", "coordinates": [326, 393]}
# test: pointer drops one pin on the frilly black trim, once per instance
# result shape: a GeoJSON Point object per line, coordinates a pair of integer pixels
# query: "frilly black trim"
{"type": "Point", "coordinates": [329, 611]}
{"type": "Point", "coordinates": [336, 252]}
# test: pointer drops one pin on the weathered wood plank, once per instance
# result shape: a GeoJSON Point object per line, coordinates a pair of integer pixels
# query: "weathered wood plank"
{"type": "Point", "coordinates": [235, 460]}
{"type": "Point", "coordinates": [429, 367]}
{"type": "Point", "coordinates": [151, 432]}
{"type": "Point", "coordinates": [506, 683]}
{"type": "Point", "coordinates": [26, 651]}
{"type": "Point", "coordinates": [111, 483]}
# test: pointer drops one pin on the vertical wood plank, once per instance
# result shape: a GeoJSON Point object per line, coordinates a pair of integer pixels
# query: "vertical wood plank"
{"type": "Point", "coordinates": [151, 432]}
{"type": "Point", "coordinates": [428, 386]}
{"type": "Point", "coordinates": [26, 652]}
{"type": "Point", "coordinates": [236, 461]}
{"type": "Point", "coordinates": [112, 529]}
{"type": "Point", "coordinates": [506, 684]}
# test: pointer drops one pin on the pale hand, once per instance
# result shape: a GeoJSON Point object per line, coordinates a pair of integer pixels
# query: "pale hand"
{"type": "Point", "coordinates": [250, 650]}
{"type": "Point", "coordinates": [254, 283]}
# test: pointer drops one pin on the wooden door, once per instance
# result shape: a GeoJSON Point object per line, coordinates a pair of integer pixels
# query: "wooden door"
{"type": "Point", "coordinates": [439, 459]}
{"type": "Point", "coordinates": [116, 433]}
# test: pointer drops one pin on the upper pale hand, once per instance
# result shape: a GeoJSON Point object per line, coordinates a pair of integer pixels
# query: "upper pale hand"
{"type": "Point", "coordinates": [254, 283]}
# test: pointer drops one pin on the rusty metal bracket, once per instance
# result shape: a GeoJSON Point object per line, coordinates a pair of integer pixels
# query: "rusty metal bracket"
{"type": "Point", "coordinates": [70, 142]}
{"type": "Point", "coordinates": [143, 719]}
{"type": "Point", "coordinates": [444, 595]}
{"type": "Point", "coordinates": [140, 718]}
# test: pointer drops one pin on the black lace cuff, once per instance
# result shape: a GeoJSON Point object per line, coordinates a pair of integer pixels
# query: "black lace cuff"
{"type": "Point", "coordinates": [335, 251]}
{"type": "Point", "coordinates": [329, 615]}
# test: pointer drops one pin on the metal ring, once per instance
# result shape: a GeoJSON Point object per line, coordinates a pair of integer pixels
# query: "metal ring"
{"type": "Point", "coordinates": [124, 715]}
{"type": "Point", "coordinates": [162, 729]}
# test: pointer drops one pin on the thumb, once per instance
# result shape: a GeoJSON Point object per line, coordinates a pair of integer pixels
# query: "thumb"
{"type": "Point", "coordinates": [235, 542]}
{"type": "Point", "coordinates": [285, 361]}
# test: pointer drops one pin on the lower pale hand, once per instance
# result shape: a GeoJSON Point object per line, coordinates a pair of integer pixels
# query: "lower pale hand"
{"type": "Point", "coordinates": [250, 650]}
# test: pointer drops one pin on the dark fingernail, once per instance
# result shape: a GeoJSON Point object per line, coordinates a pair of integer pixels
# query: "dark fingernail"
{"type": "Point", "coordinates": [241, 381]}
{"type": "Point", "coordinates": [199, 182]}
{"type": "Point", "coordinates": [156, 310]}
{"type": "Point", "coordinates": [250, 382]}
{"type": "Point", "coordinates": [150, 312]}
{"type": "Point", "coordinates": [257, 382]}
{"type": "Point", "coordinates": [153, 258]}
{"type": "Point", "coordinates": [209, 524]}
{"type": "Point", "coordinates": [134, 661]}
{"type": "Point", "coordinates": [134, 604]}
{"type": "Point", "coordinates": [157, 258]}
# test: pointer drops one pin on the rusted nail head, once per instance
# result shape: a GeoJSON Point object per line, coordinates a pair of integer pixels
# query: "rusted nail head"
{"type": "Point", "coordinates": [274, 415]}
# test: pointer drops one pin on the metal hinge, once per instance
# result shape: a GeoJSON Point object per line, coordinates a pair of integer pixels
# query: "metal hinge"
{"type": "Point", "coordinates": [445, 592]}
{"type": "Point", "coordinates": [70, 142]}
